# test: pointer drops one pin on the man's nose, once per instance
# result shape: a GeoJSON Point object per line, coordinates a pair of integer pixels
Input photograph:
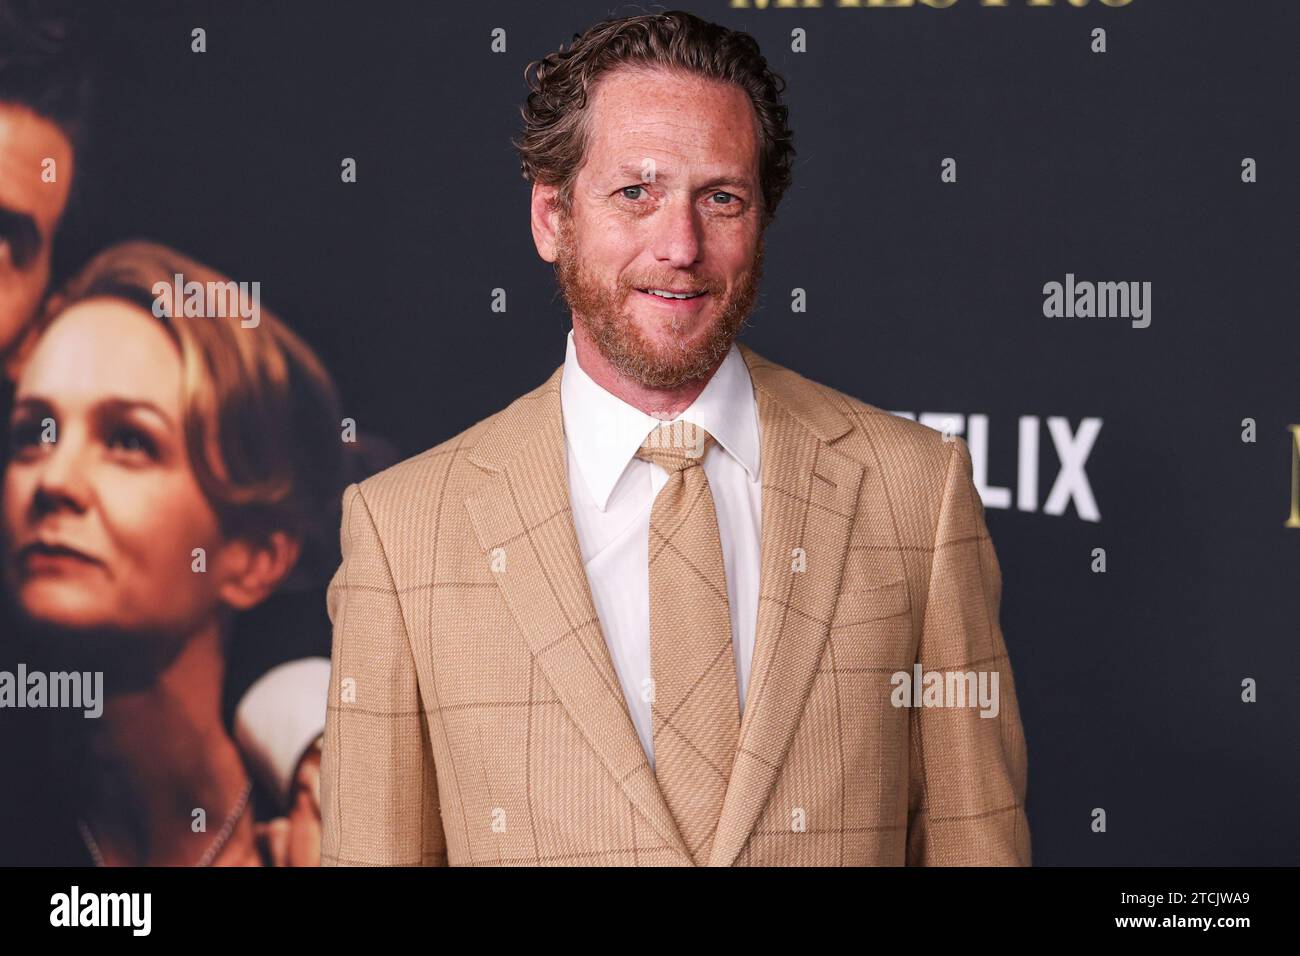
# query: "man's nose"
{"type": "Point", "coordinates": [678, 238]}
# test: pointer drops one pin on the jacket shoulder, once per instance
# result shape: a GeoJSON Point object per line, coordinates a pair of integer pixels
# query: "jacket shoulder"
{"type": "Point", "coordinates": [425, 472]}
{"type": "Point", "coordinates": [910, 463]}
{"type": "Point", "coordinates": [902, 449]}
{"type": "Point", "coordinates": [449, 467]}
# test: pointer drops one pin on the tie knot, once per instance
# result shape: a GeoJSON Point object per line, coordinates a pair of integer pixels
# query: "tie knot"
{"type": "Point", "coordinates": [675, 446]}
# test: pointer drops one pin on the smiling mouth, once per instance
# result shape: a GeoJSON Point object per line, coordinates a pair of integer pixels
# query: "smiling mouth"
{"type": "Point", "coordinates": [669, 295]}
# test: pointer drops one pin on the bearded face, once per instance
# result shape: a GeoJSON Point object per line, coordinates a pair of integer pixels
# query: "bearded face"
{"type": "Point", "coordinates": [658, 243]}
{"type": "Point", "coordinates": [659, 344]}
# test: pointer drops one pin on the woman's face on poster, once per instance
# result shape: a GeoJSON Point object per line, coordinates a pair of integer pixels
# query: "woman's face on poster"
{"type": "Point", "coordinates": [102, 509]}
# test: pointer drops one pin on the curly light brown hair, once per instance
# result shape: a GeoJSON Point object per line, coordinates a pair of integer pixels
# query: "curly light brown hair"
{"type": "Point", "coordinates": [554, 139]}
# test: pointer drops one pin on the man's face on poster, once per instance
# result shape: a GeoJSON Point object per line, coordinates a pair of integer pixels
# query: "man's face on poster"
{"type": "Point", "coordinates": [668, 200]}
{"type": "Point", "coordinates": [30, 208]}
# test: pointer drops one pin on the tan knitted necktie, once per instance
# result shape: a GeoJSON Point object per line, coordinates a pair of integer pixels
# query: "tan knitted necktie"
{"type": "Point", "coordinates": [695, 709]}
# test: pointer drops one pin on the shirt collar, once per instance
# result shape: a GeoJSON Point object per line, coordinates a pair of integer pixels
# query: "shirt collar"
{"type": "Point", "coordinates": [604, 432]}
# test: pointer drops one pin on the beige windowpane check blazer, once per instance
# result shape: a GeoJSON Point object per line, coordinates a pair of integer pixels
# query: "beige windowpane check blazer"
{"type": "Point", "coordinates": [475, 716]}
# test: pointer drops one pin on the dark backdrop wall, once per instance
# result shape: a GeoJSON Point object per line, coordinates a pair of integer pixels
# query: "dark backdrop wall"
{"type": "Point", "coordinates": [922, 296]}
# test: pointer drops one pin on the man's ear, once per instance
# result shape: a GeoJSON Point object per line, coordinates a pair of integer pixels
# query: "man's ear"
{"type": "Point", "coordinates": [253, 569]}
{"type": "Point", "coordinates": [545, 220]}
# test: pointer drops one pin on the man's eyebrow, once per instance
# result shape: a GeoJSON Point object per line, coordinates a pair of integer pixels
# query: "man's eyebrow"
{"type": "Point", "coordinates": [22, 233]}
{"type": "Point", "coordinates": [635, 171]}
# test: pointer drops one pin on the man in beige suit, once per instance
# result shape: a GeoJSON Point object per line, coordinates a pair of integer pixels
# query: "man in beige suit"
{"type": "Point", "coordinates": [677, 605]}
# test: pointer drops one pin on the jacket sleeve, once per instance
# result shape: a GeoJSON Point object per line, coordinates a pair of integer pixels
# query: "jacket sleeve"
{"type": "Point", "coordinates": [968, 764]}
{"type": "Point", "coordinates": [379, 792]}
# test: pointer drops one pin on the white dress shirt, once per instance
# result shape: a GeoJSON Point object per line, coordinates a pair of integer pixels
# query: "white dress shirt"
{"type": "Point", "coordinates": [612, 493]}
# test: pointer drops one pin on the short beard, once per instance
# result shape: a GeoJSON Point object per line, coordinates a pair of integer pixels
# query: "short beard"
{"type": "Point", "coordinates": [621, 342]}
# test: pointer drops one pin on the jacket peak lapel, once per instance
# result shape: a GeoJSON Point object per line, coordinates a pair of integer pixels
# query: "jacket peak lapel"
{"type": "Point", "coordinates": [523, 508]}
{"type": "Point", "coordinates": [810, 494]}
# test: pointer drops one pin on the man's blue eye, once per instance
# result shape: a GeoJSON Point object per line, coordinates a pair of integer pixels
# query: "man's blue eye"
{"type": "Point", "coordinates": [627, 188]}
